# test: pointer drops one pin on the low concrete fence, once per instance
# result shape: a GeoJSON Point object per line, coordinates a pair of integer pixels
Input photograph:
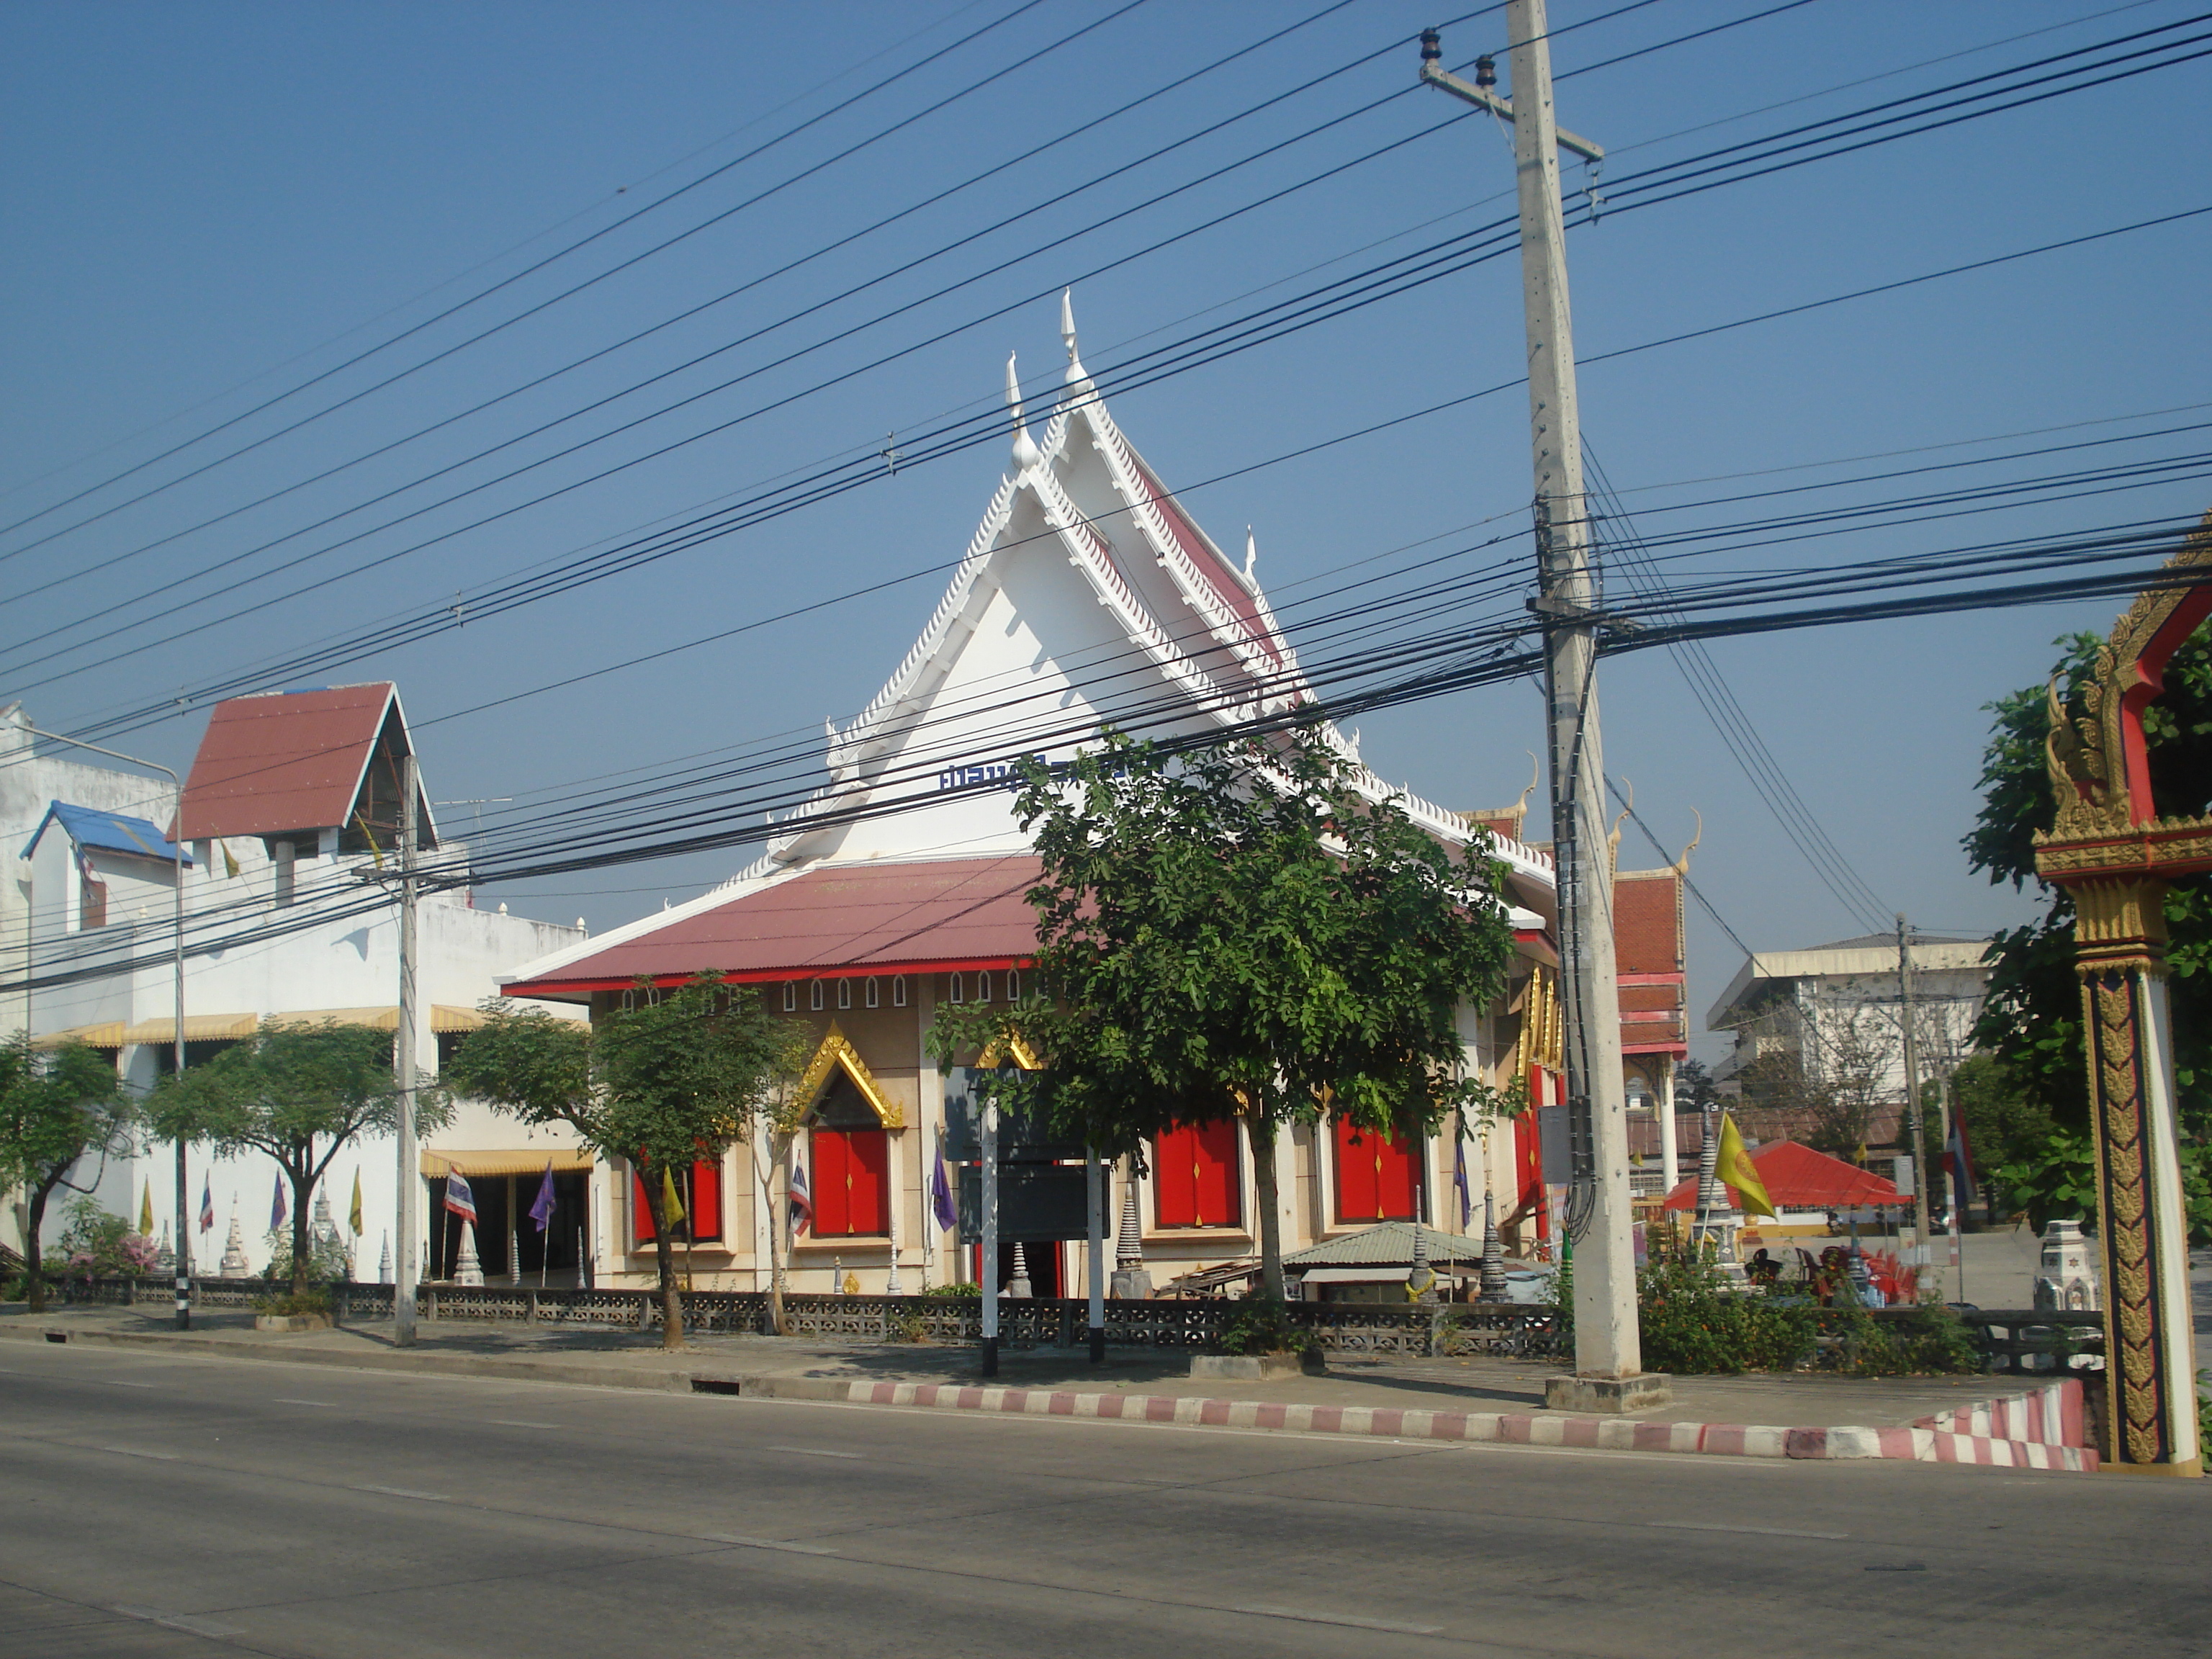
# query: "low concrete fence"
{"type": "Point", "coordinates": [1512, 1329]}
{"type": "Point", "coordinates": [2015, 1341]}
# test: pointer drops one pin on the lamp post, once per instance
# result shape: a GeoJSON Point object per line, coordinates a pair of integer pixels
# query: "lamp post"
{"type": "Point", "coordinates": [177, 849]}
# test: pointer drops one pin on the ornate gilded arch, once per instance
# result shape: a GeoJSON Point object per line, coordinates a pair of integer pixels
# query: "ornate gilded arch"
{"type": "Point", "coordinates": [837, 1053]}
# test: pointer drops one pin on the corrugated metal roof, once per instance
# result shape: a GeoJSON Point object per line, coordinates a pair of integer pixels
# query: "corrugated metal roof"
{"type": "Point", "coordinates": [292, 761]}
{"type": "Point", "coordinates": [882, 917]}
{"type": "Point", "coordinates": [108, 832]}
{"type": "Point", "coordinates": [1387, 1243]}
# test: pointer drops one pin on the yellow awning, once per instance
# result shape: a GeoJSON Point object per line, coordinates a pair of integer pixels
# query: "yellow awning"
{"type": "Point", "coordinates": [106, 1035]}
{"type": "Point", "coordinates": [443, 1017]}
{"type": "Point", "coordinates": [520, 1160]}
{"type": "Point", "coordinates": [199, 1028]}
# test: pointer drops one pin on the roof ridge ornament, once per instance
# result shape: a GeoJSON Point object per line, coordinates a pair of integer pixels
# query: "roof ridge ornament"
{"type": "Point", "coordinates": [1076, 374]}
{"type": "Point", "coordinates": [1251, 555]}
{"type": "Point", "coordinates": [1026, 453]}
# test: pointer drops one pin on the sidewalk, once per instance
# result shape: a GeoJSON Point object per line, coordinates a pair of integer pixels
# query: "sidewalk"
{"type": "Point", "coordinates": [1780, 1415]}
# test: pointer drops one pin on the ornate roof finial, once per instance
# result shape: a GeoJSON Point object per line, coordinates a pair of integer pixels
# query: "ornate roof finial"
{"type": "Point", "coordinates": [1076, 374]}
{"type": "Point", "coordinates": [1026, 453]}
{"type": "Point", "coordinates": [1251, 553]}
{"type": "Point", "coordinates": [1681, 865]}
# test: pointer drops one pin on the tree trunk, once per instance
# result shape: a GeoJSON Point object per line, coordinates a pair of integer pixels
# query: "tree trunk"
{"type": "Point", "coordinates": [1260, 1130]}
{"type": "Point", "coordinates": [35, 1281]}
{"type": "Point", "coordinates": [303, 1187]}
{"type": "Point", "coordinates": [774, 1246]}
{"type": "Point", "coordinates": [664, 1256]}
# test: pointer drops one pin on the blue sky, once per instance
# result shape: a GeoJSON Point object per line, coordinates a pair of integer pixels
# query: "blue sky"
{"type": "Point", "coordinates": [205, 205]}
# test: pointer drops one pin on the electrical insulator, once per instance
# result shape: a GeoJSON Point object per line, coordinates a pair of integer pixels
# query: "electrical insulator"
{"type": "Point", "coordinates": [1432, 45]}
{"type": "Point", "coordinates": [1486, 72]}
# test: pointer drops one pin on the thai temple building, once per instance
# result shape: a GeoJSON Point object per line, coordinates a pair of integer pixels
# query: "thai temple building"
{"type": "Point", "coordinates": [1088, 596]}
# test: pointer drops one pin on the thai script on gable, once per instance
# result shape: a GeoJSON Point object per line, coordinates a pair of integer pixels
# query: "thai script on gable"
{"type": "Point", "coordinates": [984, 772]}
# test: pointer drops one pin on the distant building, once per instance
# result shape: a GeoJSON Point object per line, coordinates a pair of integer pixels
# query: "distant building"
{"type": "Point", "coordinates": [1827, 1025]}
{"type": "Point", "coordinates": [293, 800]}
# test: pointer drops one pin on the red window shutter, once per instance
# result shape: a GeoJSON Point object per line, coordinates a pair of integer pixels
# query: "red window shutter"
{"type": "Point", "coordinates": [1378, 1178]}
{"type": "Point", "coordinates": [1175, 1186]}
{"type": "Point", "coordinates": [705, 1202]}
{"type": "Point", "coordinates": [1194, 1181]}
{"type": "Point", "coordinates": [1358, 1186]}
{"type": "Point", "coordinates": [830, 1211]}
{"type": "Point", "coordinates": [1399, 1180]}
{"type": "Point", "coordinates": [868, 1154]}
{"type": "Point", "coordinates": [852, 1184]}
{"type": "Point", "coordinates": [640, 1213]}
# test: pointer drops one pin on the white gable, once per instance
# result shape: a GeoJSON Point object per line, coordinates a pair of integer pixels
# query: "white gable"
{"type": "Point", "coordinates": [1088, 596]}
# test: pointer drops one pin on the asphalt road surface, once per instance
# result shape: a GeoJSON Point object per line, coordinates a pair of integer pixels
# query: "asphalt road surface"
{"type": "Point", "coordinates": [162, 1507]}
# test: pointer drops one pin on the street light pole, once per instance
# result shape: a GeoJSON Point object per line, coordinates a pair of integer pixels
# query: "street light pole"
{"type": "Point", "coordinates": [1608, 1350]}
{"type": "Point", "coordinates": [177, 850]}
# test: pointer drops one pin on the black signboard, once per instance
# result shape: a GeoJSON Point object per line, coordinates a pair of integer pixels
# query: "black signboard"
{"type": "Point", "coordinates": [1038, 1204]}
{"type": "Point", "coordinates": [1021, 1138]}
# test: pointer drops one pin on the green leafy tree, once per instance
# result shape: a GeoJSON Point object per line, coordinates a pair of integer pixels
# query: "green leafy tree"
{"type": "Point", "coordinates": [298, 1094]}
{"type": "Point", "coordinates": [2031, 1024]}
{"type": "Point", "coordinates": [1239, 934]}
{"type": "Point", "coordinates": [676, 1078]}
{"type": "Point", "coordinates": [56, 1110]}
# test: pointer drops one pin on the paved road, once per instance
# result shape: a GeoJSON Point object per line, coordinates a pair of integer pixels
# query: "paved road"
{"type": "Point", "coordinates": [162, 1507]}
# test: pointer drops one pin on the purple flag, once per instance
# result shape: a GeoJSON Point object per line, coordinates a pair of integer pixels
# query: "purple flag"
{"type": "Point", "coordinates": [276, 1206]}
{"type": "Point", "coordinates": [940, 1197]}
{"type": "Point", "coordinates": [1459, 1184]}
{"type": "Point", "coordinates": [542, 1210]}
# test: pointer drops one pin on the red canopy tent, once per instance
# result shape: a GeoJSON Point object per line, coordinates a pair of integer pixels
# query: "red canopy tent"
{"type": "Point", "coordinates": [1799, 1178]}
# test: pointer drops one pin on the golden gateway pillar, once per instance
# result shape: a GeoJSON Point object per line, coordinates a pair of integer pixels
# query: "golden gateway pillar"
{"type": "Point", "coordinates": [2112, 852]}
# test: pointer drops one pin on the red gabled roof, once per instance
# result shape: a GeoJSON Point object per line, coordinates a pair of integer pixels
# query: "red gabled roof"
{"type": "Point", "coordinates": [923, 917]}
{"type": "Point", "coordinates": [1798, 1178]}
{"type": "Point", "coordinates": [290, 762]}
{"type": "Point", "coordinates": [1210, 564]}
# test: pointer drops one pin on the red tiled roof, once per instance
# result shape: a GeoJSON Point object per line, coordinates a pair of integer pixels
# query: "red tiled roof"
{"type": "Point", "coordinates": [1798, 1178]}
{"type": "Point", "coordinates": [292, 761]}
{"type": "Point", "coordinates": [1210, 564]}
{"type": "Point", "coordinates": [1647, 921]}
{"type": "Point", "coordinates": [920, 917]}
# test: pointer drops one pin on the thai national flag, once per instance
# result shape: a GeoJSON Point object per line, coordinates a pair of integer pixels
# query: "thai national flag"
{"type": "Point", "coordinates": [207, 1206]}
{"type": "Point", "coordinates": [802, 1201]}
{"type": "Point", "coordinates": [1958, 1163]}
{"type": "Point", "coordinates": [458, 1199]}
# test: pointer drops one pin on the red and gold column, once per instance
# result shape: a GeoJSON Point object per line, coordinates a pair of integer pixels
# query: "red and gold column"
{"type": "Point", "coordinates": [2109, 849]}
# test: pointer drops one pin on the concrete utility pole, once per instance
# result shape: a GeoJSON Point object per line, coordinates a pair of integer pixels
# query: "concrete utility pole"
{"type": "Point", "coordinates": [403, 1064]}
{"type": "Point", "coordinates": [1920, 1173]}
{"type": "Point", "coordinates": [1609, 1349]}
{"type": "Point", "coordinates": [184, 1248]}
{"type": "Point", "coordinates": [989, 1250]}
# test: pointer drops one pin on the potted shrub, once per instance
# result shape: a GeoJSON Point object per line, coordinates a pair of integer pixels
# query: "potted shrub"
{"type": "Point", "coordinates": [305, 1311]}
{"type": "Point", "coordinates": [1258, 1343]}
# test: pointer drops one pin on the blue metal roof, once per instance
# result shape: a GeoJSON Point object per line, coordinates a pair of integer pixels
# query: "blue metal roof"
{"type": "Point", "coordinates": [110, 832]}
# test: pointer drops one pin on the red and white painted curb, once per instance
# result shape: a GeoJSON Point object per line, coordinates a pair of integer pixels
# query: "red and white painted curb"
{"type": "Point", "coordinates": [2041, 1429]}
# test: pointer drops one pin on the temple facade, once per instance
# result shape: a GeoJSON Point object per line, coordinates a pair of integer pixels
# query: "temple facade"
{"type": "Point", "coordinates": [1088, 596]}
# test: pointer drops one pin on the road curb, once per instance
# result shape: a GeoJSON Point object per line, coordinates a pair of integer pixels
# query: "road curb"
{"type": "Point", "coordinates": [2053, 1412]}
{"type": "Point", "coordinates": [1914, 1444]}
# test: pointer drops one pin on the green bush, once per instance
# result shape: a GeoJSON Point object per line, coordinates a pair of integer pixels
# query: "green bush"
{"type": "Point", "coordinates": [329, 1263]}
{"type": "Point", "coordinates": [313, 1302]}
{"type": "Point", "coordinates": [973, 1291]}
{"type": "Point", "coordinates": [1930, 1341]}
{"type": "Point", "coordinates": [1263, 1326]}
{"type": "Point", "coordinates": [1696, 1322]}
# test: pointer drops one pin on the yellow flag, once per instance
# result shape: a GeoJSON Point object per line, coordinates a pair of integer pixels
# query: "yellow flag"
{"type": "Point", "coordinates": [1735, 1167]}
{"type": "Point", "coordinates": [369, 836]}
{"type": "Point", "coordinates": [146, 1212]}
{"type": "Point", "coordinates": [670, 1202]}
{"type": "Point", "coordinates": [229, 861]}
{"type": "Point", "coordinates": [353, 1218]}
